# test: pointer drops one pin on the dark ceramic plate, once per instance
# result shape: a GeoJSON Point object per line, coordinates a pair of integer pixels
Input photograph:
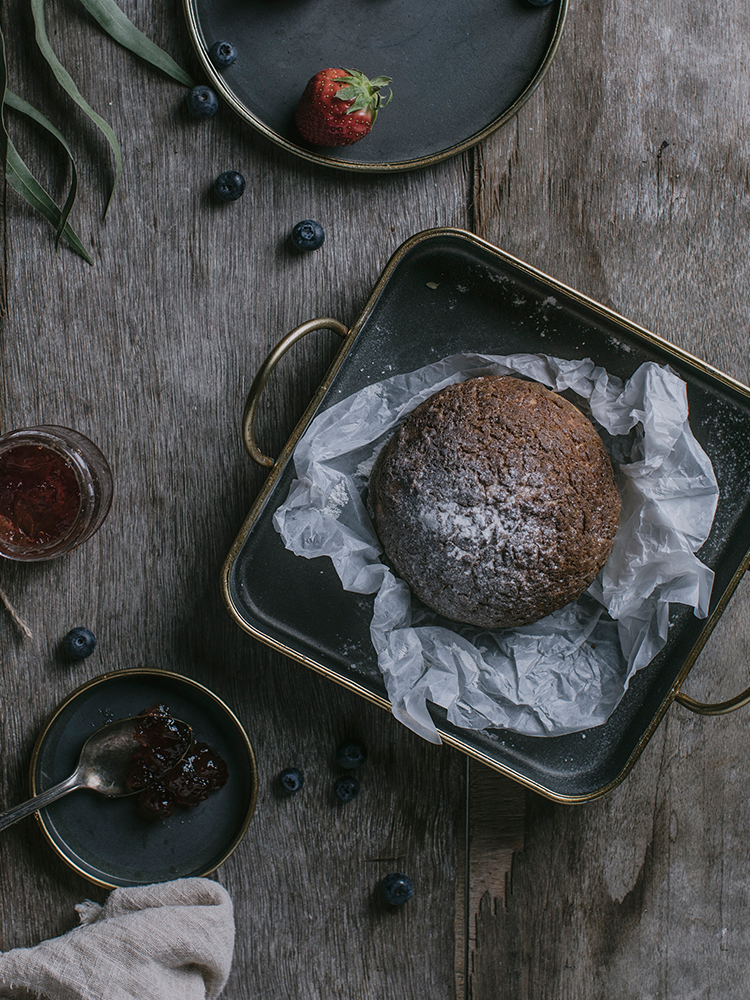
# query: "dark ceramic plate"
{"type": "Point", "coordinates": [445, 291]}
{"type": "Point", "coordinates": [105, 840]}
{"type": "Point", "coordinates": [459, 70]}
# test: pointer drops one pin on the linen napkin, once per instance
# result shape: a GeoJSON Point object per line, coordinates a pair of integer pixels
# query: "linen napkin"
{"type": "Point", "coordinates": [171, 941]}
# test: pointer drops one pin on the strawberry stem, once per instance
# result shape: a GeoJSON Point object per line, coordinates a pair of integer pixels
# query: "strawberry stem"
{"type": "Point", "coordinates": [364, 94]}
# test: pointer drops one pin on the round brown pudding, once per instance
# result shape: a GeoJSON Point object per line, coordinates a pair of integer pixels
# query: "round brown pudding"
{"type": "Point", "coordinates": [495, 501]}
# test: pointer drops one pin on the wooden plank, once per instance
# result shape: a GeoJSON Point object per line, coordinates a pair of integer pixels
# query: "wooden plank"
{"type": "Point", "coordinates": [495, 830]}
{"type": "Point", "coordinates": [626, 178]}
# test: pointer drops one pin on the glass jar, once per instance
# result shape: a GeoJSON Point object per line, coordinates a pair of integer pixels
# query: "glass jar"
{"type": "Point", "coordinates": [55, 492]}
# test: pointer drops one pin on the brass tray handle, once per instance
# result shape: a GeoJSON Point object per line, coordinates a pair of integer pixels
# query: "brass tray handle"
{"type": "Point", "coordinates": [264, 373]}
{"type": "Point", "coordinates": [731, 704]}
{"type": "Point", "coordinates": [719, 708]}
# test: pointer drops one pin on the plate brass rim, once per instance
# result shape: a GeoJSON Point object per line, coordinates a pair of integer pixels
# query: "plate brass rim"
{"type": "Point", "coordinates": [359, 166]}
{"type": "Point", "coordinates": [153, 673]}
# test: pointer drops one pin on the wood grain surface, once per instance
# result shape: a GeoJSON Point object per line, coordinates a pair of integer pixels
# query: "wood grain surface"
{"type": "Point", "coordinates": [626, 176]}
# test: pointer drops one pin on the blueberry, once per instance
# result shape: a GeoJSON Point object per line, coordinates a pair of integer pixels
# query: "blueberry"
{"type": "Point", "coordinates": [79, 643]}
{"type": "Point", "coordinates": [396, 889]}
{"type": "Point", "coordinates": [229, 186]}
{"type": "Point", "coordinates": [222, 54]}
{"type": "Point", "coordinates": [291, 780]}
{"type": "Point", "coordinates": [346, 788]}
{"type": "Point", "coordinates": [307, 235]}
{"type": "Point", "coordinates": [202, 102]}
{"type": "Point", "coordinates": [351, 754]}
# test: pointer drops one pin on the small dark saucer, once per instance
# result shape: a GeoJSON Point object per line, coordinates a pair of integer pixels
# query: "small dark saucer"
{"type": "Point", "coordinates": [106, 840]}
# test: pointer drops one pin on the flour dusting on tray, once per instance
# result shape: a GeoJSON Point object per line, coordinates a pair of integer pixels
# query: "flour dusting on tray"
{"type": "Point", "coordinates": [568, 671]}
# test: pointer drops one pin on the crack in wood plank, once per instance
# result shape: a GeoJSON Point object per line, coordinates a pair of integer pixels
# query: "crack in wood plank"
{"type": "Point", "coordinates": [496, 816]}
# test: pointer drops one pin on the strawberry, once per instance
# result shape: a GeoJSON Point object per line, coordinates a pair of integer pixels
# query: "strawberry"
{"type": "Point", "coordinates": [339, 106]}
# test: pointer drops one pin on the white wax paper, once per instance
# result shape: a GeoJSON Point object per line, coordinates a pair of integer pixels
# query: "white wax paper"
{"type": "Point", "coordinates": [568, 671]}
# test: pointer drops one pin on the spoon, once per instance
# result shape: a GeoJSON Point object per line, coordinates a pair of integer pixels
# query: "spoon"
{"type": "Point", "coordinates": [103, 767]}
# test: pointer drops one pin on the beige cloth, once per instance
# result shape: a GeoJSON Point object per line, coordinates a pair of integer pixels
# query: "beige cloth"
{"type": "Point", "coordinates": [172, 941]}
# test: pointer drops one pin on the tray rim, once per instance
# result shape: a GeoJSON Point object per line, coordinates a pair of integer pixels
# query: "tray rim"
{"type": "Point", "coordinates": [286, 454]}
{"type": "Point", "coordinates": [359, 166]}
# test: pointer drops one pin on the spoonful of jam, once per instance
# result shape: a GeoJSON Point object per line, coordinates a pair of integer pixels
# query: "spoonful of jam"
{"type": "Point", "coordinates": [121, 758]}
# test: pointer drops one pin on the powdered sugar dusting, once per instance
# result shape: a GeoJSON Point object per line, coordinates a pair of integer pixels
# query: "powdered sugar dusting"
{"type": "Point", "coordinates": [489, 502]}
{"type": "Point", "coordinates": [471, 531]}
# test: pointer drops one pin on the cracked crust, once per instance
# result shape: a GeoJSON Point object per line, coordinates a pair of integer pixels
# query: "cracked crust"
{"type": "Point", "coordinates": [496, 502]}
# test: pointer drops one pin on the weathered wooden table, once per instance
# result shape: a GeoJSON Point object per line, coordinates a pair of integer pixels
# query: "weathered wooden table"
{"type": "Point", "coordinates": [626, 176]}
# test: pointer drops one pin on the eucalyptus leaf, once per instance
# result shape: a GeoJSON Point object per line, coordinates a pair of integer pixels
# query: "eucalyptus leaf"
{"type": "Point", "coordinates": [18, 104]}
{"type": "Point", "coordinates": [117, 26]}
{"type": "Point", "coordinates": [122, 30]}
{"type": "Point", "coordinates": [20, 177]}
{"type": "Point", "coordinates": [66, 82]}
{"type": "Point", "coordinates": [18, 174]}
{"type": "Point", "coordinates": [4, 140]}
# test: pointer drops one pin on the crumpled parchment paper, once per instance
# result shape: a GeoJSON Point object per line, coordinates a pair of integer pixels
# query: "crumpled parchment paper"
{"type": "Point", "coordinates": [568, 671]}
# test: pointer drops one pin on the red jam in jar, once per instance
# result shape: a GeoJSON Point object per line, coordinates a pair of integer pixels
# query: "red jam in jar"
{"type": "Point", "coordinates": [55, 492]}
{"type": "Point", "coordinates": [39, 495]}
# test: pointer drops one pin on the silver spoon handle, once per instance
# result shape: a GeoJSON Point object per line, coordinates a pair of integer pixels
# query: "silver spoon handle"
{"type": "Point", "coordinates": [40, 801]}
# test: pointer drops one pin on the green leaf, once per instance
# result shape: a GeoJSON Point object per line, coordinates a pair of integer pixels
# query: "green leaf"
{"type": "Point", "coordinates": [122, 30]}
{"type": "Point", "coordinates": [20, 177]}
{"type": "Point", "coordinates": [117, 26]}
{"type": "Point", "coordinates": [66, 82]}
{"type": "Point", "coordinates": [18, 104]}
{"type": "Point", "coordinates": [4, 140]}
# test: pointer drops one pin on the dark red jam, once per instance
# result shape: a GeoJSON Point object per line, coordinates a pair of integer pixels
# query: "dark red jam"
{"type": "Point", "coordinates": [199, 773]}
{"type": "Point", "coordinates": [39, 496]}
{"type": "Point", "coordinates": [162, 744]}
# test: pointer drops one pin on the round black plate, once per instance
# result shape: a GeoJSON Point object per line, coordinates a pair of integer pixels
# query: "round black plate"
{"type": "Point", "coordinates": [105, 840]}
{"type": "Point", "coordinates": [459, 69]}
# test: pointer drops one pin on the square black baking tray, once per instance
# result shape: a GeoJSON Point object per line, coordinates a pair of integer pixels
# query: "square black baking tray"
{"type": "Point", "coordinates": [443, 292]}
